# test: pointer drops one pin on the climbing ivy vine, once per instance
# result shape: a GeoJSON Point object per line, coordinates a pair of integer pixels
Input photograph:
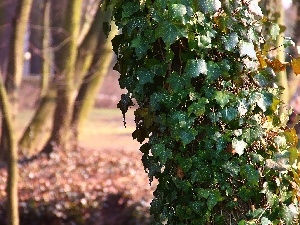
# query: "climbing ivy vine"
{"type": "Point", "coordinates": [208, 111]}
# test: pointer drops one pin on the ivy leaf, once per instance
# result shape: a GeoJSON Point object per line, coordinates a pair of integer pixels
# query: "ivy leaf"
{"type": "Point", "coordinates": [140, 46]}
{"type": "Point", "coordinates": [274, 31]}
{"type": "Point", "coordinates": [276, 65]}
{"type": "Point", "coordinates": [293, 155]}
{"type": "Point", "coordinates": [289, 213]}
{"type": "Point", "coordinates": [209, 6]}
{"type": "Point", "coordinates": [265, 221]}
{"type": "Point", "coordinates": [213, 71]}
{"type": "Point", "coordinates": [251, 174]}
{"type": "Point", "coordinates": [163, 153]}
{"type": "Point", "coordinates": [222, 98]}
{"type": "Point", "coordinates": [239, 146]}
{"type": "Point", "coordinates": [129, 8]}
{"type": "Point", "coordinates": [198, 108]}
{"type": "Point", "coordinates": [187, 136]}
{"type": "Point", "coordinates": [145, 76]}
{"type": "Point", "coordinates": [229, 113]}
{"type": "Point", "coordinates": [247, 49]}
{"type": "Point", "coordinates": [169, 32]}
{"type": "Point", "coordinates": [296, 65]}
{"type": "Point", "coordinates": [230, 41]}
{"type": "Point", "coordinates": [242, 107]}
{"type": "Point", "coordinates": [177, 11]}
{"type": "Point", "coordinates": [264, 100]}
{"type": "Point", "coordinates": [195, 67]}
{"type": "Point", "coordinates": [213, 199]}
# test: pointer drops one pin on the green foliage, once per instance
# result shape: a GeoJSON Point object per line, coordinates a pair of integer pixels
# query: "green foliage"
{"type": "Point", "coordinates": [208, 112]}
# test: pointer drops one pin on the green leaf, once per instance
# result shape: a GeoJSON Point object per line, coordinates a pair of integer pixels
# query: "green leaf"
{"type": "Point", "coordinates": [222, 98]}
{"type": "Point", "coordinates": [198, 108]}
{"type": "Point", "coordinates": [169, 32]}
{"type": "Point", "coordinates": [274, 31]}
{"type": "Point", "coordinates": [213, 71]}
{"type": "Point", "coordinates": [145, 76]}
{"type": "Point", "coordinates": [232, 168]}
{"type": "Point", "coordinates": [140, 45]}
{"type": "Point", "coordinates": [203, 193]}
{"type": "Point", "coordinates": [177, 11]}
{"type": "Point", "coordinates": [251, 174]}
{"type": "Point", "coordinates": [265, 221]}
{"type": "Point", "coordinates": [213, 199]}
{"type": "Point", "coordinates": [185, 163]}
{"type": "Point", "coordinates": [187, 136]}
{"type": "Point", "coordinates": [229, 114]}
{"type": "Point", "coordinates": [293, 155]}
{"type": "Point", "coordinates": [163, 153]}
{"type": "Point", "coordinates": [209, 6]}
{"type": "Point", "coordinates": [264, 100]}
{"type": "Point", "coordinates": [195, 67]}
{"type": "Point", "coordinates": [129, 8]}
{"type": "Point", "coordinates": [230, 41]}
{"type": "Point", "coordinates": [247, 49]}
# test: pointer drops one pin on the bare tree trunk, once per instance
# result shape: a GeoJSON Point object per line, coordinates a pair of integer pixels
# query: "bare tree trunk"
{"type": "Point", "coordinates": [65, 59]}
{"type": "Point", "coordinates": [47, 62]}
{"type": "Point", "coordinates": [92, 82]}
{"type": "Point", "coordinates": [12, 158]}
{"type": "Point", "coordinates": [38, 123]}
{"type": "Point", "coordinates": [16, 61]}
{"type": "Point", "coordinates": [36, 37]}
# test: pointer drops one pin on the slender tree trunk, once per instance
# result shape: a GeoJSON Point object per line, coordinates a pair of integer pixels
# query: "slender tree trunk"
{"type": "Point", "coordinates": [65, 59]}
{"type": "Point", "coordinates": [282, 75]}
{"type": "Point", "coordinates": [46, 59]}
{"type": "Point", "coordinates": [36, 37]}
{"type": "Point", "coordinates": [12, 158]}
{"type": "Point", "coordinates": [16, 62]}
{"type": "Point", "coordinates": [92, 82]}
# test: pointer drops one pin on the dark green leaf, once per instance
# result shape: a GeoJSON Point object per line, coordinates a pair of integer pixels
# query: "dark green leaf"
{"type": "Point", "coordinates": [251, 174]}
{"type": "Point", "coordinates": [195, 67]}
{"type": "Point", "coordinates": [160, 151]}
{"type": "Point", "coordinates": [213, 199]}
{"type": "Point", "coordinates": [169, 32]}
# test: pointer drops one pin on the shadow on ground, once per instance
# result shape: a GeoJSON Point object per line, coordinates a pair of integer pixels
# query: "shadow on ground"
{"type": "Point", "coordinates": [114, 209]}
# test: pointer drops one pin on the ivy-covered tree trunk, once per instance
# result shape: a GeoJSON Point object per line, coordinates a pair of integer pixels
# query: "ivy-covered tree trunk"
{"type": "Point", "coordinates": [208, 111]}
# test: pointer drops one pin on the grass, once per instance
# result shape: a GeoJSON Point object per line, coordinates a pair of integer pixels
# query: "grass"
{"type": "Point", "coordinates": [103, 128]}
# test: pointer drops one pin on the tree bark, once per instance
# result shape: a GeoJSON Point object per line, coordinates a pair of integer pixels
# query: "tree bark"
{"type": "Point", "coordinates": [16, 62]}
{"type": "Point", "coordinates": [92, 82]}
{"type": "Point", "coordinates": [36, 37]}
{"type": "Point", "coordinates": [12, 158]}
{"type": "Point", "coordinates": [46, 59]}
{"type": "Point", "coordinates": [65, 59]}
{"type": "Point", "coordinates": [36, 127]}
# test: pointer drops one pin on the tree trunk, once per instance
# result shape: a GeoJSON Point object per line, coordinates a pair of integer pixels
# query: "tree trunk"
{"type": "Point", "coordinates": [92, 82]}
{"type": "Point", "coordinates": [36, 37]}
{"type": "Point", "coordinates": [12, 158]}
{"type": "Point", "coordinates": [36, 127]}
{"type": "Point", "coordinates": [16, 62]}
{"type": "Point", "coordinates": [65, 59]}
{"type": "Point", "coordinates": [46, 59]}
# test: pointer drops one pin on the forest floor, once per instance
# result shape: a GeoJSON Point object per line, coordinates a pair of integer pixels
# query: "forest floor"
{"type": "Point", "coordinates": [100, 183]}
